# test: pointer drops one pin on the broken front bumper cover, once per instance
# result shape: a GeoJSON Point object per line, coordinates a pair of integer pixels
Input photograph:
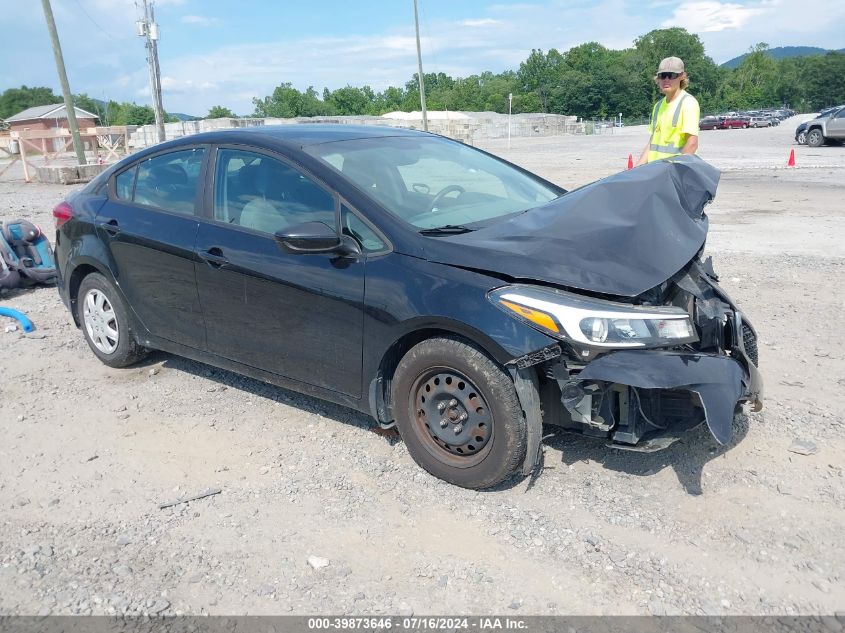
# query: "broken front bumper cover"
{"type": "Point", "coordinates": [720, 382]}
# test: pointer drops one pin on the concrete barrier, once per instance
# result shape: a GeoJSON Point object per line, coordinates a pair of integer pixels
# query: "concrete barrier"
{"type": "Point", "coordinates": [68, 174]}
{"type": "Point", "coordinates": [468, 127]}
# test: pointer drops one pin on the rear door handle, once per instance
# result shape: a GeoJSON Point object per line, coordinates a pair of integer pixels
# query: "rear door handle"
{"type": "Point", "coordinates": [214, 257]}
{"type": "Point", "coordinates": [110, 226]}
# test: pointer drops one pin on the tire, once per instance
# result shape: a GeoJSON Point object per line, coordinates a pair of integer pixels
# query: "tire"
{"type": "Point", "coordinates": [801, 138]}
{"type": "Point", "coordinates": [105, 323]}
{"type": "Point", "coordinates": [458, 413]}
{"type": "Point", "coordinates": [815, 138]}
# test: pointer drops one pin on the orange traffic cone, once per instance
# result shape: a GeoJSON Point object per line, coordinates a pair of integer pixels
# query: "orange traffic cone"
{"type": "Point", "coordinates": [630, 161]}
{"type": "Point", "coordinates": [791, 161]}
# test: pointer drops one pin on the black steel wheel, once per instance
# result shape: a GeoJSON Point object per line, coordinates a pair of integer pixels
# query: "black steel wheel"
{"type": "Point", "coordinates": [458, 413]}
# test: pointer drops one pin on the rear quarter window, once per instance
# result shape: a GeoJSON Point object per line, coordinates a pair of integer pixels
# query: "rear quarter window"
{"type": "Point", "coordinates": [124, 183]}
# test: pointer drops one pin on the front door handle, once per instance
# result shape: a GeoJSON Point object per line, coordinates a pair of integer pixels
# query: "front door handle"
{"type": "Point", "coordinates": [110, 226]}
{"type": "Point", "coordinates": [214, 257]}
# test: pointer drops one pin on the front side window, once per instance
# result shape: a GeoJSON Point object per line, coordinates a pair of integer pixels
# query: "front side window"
{"type": "Point", "coordinates": [265, 194]}
{"type": "Point", "coordinates": [432, 182]}
{"type": "Point", "coordinates": [169, 181]}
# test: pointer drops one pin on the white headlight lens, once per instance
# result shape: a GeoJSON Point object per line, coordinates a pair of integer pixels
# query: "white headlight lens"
{"type": "Point", "coordinates": [600, 323]}
{"type": "Point", "coordinates": [595, 329]}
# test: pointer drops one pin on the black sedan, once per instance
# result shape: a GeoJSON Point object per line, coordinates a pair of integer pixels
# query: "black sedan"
{"type": "Point", "coordinates": [432, 285]}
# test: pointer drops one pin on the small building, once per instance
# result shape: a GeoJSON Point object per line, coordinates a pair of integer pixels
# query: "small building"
{"type": "Point", "coordinates": [52, 117]}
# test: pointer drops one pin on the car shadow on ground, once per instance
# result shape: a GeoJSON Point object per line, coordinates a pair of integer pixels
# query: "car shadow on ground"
{"type": "Point", "coordinates": [687, 456]}
{"type": "Point", "coordinates": [281, 395]}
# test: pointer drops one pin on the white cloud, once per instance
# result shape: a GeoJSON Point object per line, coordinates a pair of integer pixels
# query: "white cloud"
{"type": "Point", "coordinates": [481, 22]}
{"type": "Point", "coordinates": [707, 16]}
{"type": "Point", "coordinates": [199, 20]}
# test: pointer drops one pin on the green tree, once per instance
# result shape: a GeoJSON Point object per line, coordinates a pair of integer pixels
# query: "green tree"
{"type": "Point", "coordinates": [287, 102]}
{"type": "Point", "coordinates": [220, 112]}
{"type": "Point", "coordinates": [755, 79]}
{"type": "Point", "coordinates": [540, 73]}
{"type": "Point", "coordinates": [704, 75]}
{"type": "Point", "coordinates": [88, 104]}
{"type": "Point", "coordinates": [14, 100]}
{"type": "Point", "coordinates": [348, 100]}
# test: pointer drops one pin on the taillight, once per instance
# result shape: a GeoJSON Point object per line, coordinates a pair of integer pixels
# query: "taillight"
{"type": "Point", "coordinates": [62, 213]}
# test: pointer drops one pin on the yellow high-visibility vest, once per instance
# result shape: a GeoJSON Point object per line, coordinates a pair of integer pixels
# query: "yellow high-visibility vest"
{"type": "Point", "coordinates": [671, 125]}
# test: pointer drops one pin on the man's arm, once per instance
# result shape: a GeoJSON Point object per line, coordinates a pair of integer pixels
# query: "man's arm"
{"type": "Point", "coordinates": [644, 156]}
{"type": "Point", "coordinates": [691, 145]}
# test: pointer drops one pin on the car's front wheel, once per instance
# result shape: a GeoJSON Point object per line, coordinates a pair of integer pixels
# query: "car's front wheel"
{"type": "Point", "coordinates": [458, 413]}
{"type": "Point", "coordinates": [105, 323]}
{"type": "Point", "coordinates": [815, 138]}
{"type": "Point", "coordinates": [801, 138]}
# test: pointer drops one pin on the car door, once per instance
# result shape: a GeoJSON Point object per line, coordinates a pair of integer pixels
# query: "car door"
{"type": "Point", "coordinates": [836, 125]}
{"type": "Point", "coordinates": [150, 226]}
{"type": "Point", "coordinates": [296, 315]}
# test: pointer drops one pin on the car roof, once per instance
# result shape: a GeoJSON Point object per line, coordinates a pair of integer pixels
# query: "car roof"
{"type": "Point", "coordinates": [294, 136]}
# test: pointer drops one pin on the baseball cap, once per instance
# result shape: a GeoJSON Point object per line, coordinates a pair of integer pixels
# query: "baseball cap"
{"type": "Point", "coordinates": [671, 65]}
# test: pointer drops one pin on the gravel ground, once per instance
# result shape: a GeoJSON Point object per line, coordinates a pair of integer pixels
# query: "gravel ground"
{"type": "Point", "coordinates": [318, 512]}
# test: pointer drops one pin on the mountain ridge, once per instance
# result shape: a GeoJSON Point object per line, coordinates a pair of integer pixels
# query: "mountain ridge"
{"type": "Point", "coordinates": [783, 52]}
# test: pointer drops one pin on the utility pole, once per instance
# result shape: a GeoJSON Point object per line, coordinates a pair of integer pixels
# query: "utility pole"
{"type": "Point", "coordinates": [510, 111]}
{"type": "Point", "coordinates": [149, 29]}
{"type": "Point", "coordinates": [60, 66]}
{"type": "Point", "coordinates": [420, 75]}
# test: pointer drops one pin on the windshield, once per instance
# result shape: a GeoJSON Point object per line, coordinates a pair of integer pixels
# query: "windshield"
{"type": "Point", "coordinates": [434, 182]}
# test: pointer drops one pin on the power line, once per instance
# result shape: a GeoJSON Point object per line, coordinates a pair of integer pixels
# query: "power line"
{"type": "Point", "coordinates": [88, 15]}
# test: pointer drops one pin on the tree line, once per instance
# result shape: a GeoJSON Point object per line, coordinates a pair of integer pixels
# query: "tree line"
{"type": "Point", "coordinates": [589, 81]}
{"type": "Point", "coordinates": [16, 100]}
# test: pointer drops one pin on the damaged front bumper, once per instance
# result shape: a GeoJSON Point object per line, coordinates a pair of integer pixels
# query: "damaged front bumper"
{"type": "Point", "coordinates": [646, 399]}
{"type": "Point", "coordinates": [652, 397]}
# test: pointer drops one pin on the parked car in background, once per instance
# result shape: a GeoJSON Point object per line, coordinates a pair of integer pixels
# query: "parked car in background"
{"type": "Point", "coordinates": [420, 280]}
{"type": "Point", "coordinates": [801, 130]}
{"type": "Point", "coordinates": [759, 121]}
{"type": "Point", "coordinates": [734, 121]}
{"type": "Point", "coordinates": [709, 123]}
{"type": "Point", "coordinates": [830, 128]}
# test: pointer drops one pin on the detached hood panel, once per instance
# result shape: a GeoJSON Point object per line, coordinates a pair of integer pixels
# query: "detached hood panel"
{"type": "Point", "coordinates": [620, 236]}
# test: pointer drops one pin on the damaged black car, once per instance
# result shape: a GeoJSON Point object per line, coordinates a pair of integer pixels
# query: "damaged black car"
{"type": "Point", "coordinates": [444, 291]}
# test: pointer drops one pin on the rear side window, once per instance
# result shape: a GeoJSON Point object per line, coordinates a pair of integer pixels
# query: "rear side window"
{"type": "Point", "coordinates": [169, 181]}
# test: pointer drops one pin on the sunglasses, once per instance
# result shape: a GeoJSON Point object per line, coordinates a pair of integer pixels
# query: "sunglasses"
{"type": "Point", "coordinates": [668, 75]}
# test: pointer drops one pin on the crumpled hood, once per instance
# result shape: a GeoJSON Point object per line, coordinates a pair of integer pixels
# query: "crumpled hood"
{"type": "Point", "coordinates": [620, 236]}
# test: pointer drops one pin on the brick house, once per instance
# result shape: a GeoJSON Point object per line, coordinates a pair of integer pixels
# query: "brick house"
{"type": "Point", "coordinates": [52, 117]}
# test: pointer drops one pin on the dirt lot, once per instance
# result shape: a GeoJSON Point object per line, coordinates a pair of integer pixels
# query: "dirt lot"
{"type": "Point", "coordinates": [87, 454]}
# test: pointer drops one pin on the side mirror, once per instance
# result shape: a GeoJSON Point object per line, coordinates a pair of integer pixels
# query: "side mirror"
{"type": "Point", "coordinates": [312, 237]}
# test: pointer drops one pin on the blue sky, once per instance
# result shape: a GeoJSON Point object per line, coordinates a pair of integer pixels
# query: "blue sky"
{"type": "Point", "coordinates": [226, 52]}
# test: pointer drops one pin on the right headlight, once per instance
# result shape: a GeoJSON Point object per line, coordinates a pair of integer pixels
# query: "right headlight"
{"type": "Point", "coordinates": [594, 322]}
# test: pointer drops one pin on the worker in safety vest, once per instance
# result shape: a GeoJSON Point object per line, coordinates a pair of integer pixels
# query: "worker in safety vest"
{"type": "Point", "coordinates": [674, 119]}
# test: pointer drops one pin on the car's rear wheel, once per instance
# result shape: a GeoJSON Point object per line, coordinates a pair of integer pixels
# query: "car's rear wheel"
{"type": "Point", "coordinates": [815, 138]}
{"type": "Point", "coordinates": [105, 323]}
{"type": "Point", "coordinates": [458, 413]}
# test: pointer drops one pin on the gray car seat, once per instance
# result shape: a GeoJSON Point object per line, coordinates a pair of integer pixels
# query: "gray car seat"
{"type": "Point", "coordinates": [266, 212]}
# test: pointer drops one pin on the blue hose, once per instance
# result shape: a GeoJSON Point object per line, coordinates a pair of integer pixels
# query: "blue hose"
{"type": "Point", "coordinates": [26, 324]}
